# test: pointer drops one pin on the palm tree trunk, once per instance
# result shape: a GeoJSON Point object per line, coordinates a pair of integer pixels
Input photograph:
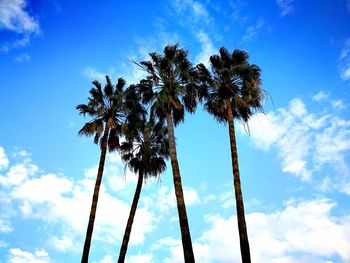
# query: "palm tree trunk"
{"type": "Point", "coordinates": [181, 207]}
{"type": "Point", "coordinates": [90, 228]}
{"type": "Point", "coordinates": [127, 232]}
{"type": "Point", "coordinates": [242, 228]}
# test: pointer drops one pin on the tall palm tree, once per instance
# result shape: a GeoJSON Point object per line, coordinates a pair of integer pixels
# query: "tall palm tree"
{"type": "Point", "coordinates": [235, 93]}
{"type": "Point", "coordinates": [109, 109]}
{"type": "Point", "coordinates": [170, 88]}
{"type": "Point", "coordinates": [144, 152]}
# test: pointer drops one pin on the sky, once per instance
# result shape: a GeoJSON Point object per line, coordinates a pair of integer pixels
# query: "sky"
{"type": "Point", "coordinates": [294, 162]}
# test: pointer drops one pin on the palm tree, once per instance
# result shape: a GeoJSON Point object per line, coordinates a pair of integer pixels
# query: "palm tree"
{"type": "Point", "coordinates": [144, 152]}
{"type": "Point", "coordinates": [235, 93]}
{"type": "Point", "coordinates": [170, 88]}
{"type": "Point", "coordinates": [109, 108]}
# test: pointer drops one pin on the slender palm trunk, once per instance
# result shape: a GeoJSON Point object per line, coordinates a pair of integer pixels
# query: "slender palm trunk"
{"type": "Point", "coordinates": [242, 228]}
{"type": "Point", "coordinates": [90, 227]}
{"type": "Point", "coordinates": [181, 207]}
{"type": "Point", "coordinates": [127, 232]}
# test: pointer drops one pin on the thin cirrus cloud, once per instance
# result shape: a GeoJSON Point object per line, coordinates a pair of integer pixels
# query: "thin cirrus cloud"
{"type": "Point", "coordinates": [344, 61]}
{"type": "Point", "coordinates": [306, 142]}
{"type": "Point", "coordinates": [285, 7]}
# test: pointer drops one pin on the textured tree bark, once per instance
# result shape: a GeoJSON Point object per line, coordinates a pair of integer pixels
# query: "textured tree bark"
{"type": "Point", "coordinates": [242, 228]}
{"type": "Point", "coordinates": [181, 207]}
{"type": "Point", "coordinates": [127, 232]}
{"type": "Point", "coordinates": [90, 228]}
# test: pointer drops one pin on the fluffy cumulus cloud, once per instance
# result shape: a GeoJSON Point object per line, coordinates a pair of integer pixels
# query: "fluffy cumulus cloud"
{"type": "Point", "coordinates": [61, 202]}
{"type": "Point", "coordinates": [285, 7]}
{"type": "Point", "coordinates": [296, 233]}
{"type": "Point", "coordinates": [305, 142]}
{"type": "Point", "coordinates": [15, 17]}
{"type": "Point", "coordinates": [344, 61]}
{"type": "Point", "coordinates": [17, 255]}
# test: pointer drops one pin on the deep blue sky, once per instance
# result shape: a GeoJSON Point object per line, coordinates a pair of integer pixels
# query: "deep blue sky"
{"type": "Point", "coordinates": [294, 164]}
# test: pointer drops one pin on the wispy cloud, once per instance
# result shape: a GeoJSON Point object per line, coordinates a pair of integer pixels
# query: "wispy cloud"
{"type": "Point", "coordinates": [22, 58]}
{"type": "Point", "coordinates": [320, 96]}
{"type": "Point", "coordinates": [192, 11]}
{"type": "Point", "coordinates": [285, 7]}
{"type": "Point", "coordinates": [252, 31]}
{"type": "Point", "coordinates": [207, 48]}
{"type": "Point", "coordinates": [344, 61]}
{"type": "Point", "coordinates": [338, 104]}
{"type": "Point", "coordinates": [94, 74]}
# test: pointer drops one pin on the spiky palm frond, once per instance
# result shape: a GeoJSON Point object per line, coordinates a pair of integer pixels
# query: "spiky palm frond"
{"type": "Point", "coordinates": [235, 79]}
{"type": "Point", "coordinates": [110, 108]}
{"type": "Point", "coordinates": [172, 84]}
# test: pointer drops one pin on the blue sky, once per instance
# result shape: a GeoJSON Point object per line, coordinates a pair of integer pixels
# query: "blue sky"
{"type": "Point", "coordinates": [294, 165]}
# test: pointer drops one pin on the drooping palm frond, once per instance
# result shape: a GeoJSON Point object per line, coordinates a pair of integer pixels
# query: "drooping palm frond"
{"type": "Point", "coordinates": [147, 151]}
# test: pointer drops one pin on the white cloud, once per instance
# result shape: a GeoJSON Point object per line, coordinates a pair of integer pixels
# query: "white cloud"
{"type": "Point", "coordinates": [107, 259]}
{"type": "Point", "coordinates": [61, 202]}
{"type": "Point", "coordinates": [338, 104]}
{"type": "Point", "coordinates": [62, 244]}
{"type": "Point", "coordinates": [304, 141]}
{"type": "Point", "coordinates": [321, 96]}
{"type": "Point", "coordinates": [192, 10]}
{"type": "Point", "coordinates": [93, 74]}
{"type": "Point", "coordinates": [207, 48]}
{"type": "Point", "coordinates": [18, 173]}
{"type": "Point", "coordinates": [344, 61]}
{"type": "Point", "coordinates": [22, 58]}
{"type": "Point", "coordinates": [140, 258]}
{"type": "Point", "coordinates": [5, 227]}
{"type": "Point", "coordinates": [13, 16]}
{"type": "Point", "coordinates": [252, 31]}
{"type": "Point", "coordinates": [297, 233]}
{"type": "Point", "coordinates": [17, 255]}
{"type": "Point", "coordinates": [285, 7]}
{"type": "Point", "coordinates": [166, 199]}
{"type": "Point", "coordinates": [3, 159]}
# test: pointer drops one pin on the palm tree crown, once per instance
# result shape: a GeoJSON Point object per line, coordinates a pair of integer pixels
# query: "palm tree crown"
{"type": "Point", "coordinates": [110, 108]}
{"type": "Point", "coordinates": [171, 84]}
{"type": "Point", "coordinates": [237, 80]}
